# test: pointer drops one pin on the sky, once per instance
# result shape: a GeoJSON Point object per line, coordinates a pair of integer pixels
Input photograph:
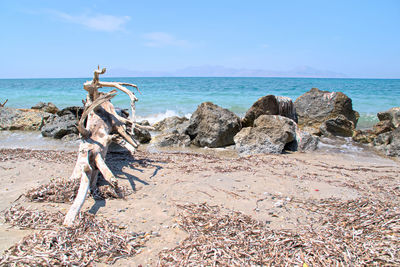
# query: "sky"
{"type": "Point", "coordinates": [69, 38]}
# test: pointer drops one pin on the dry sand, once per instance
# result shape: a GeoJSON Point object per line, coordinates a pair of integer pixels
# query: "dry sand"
{"type": "Point", "coordinates": [261, 186]}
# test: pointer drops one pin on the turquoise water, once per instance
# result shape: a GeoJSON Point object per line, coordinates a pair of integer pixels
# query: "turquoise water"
{"type": "Point", "coordinates": [163, 97]}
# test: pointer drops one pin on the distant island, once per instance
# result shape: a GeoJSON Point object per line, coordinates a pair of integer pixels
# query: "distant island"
{"type": "Point", "coordinates": [221, 71]}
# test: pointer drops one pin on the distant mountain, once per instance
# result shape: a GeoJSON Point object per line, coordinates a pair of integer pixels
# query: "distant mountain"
{"type": "Point", "coordinates": [221, 71]}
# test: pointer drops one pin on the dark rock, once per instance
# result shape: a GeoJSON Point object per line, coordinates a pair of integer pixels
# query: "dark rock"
{"type": "Point", "coordinates": [389, 143]}
{"type": "Point", "coordinates": [269, 105]}
{"type": "Point", "coordinates": [172, 124]}
{"type": "Point", "coordinates": [122, 112]}
{"type": "Point", "coordinates": [338, 126]}
{"type": "Point", "coordinates": [59, 126]}
{"type": "Point", "coordinates": [142, 135]}
{"type": "Point", "coordinates": [22, 119]}
{"type": "Point", "coordinates": [173, 139]}
{"type": "Point", "coordinates": [144, 123]}
{"type": "Point", "coordinates": [315, 107]}
{"type": "Point", "coordinates": [213, 126]}
{"type": "Point", "coordinates": [46, 107]}
{"type": "Point", "coordinates": [76, 111]}
{"type": "Point", "coordinates": [392, 115]}
{"type": "Point", "coordinates": [270, 134]}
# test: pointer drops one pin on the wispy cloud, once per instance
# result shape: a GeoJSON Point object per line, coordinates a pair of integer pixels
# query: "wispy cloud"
{"type": "Point", "coordinates": [161, 39]}
{"type": "Point", "coordinates": [98, 22]}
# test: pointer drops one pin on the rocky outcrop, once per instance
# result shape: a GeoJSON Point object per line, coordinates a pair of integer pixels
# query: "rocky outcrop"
{"type": "Point", "coordinates": [22, 119]}
{"type": "Point", "coordinates": [213, 126]}
{"type": "Point", "coordinates": [392, 115]}
{"type": "Point", "coordinates": [269, 105]}
{"type": "Point", "coordinates": [338, 126]}
{"type": "Point", "coordinates": [316, 107]}
{"type": "Point", "coordinates": [46, 107]}
{"type": "Point", "coordinates": [269, 134]}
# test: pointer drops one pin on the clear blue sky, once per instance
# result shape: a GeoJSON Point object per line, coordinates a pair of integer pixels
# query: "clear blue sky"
{"type": "Point", "coordinates": [68, 38]}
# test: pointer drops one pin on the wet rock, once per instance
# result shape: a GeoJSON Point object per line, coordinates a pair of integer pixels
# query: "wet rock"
{"type": "Point", "coordinates": [22, 119]}
{"type": "Point", "coordinates": [392, 115]}
{"type": "Point", "coordinates": [269, 105]}
{"type": "Point", "coordinates": [213, 126]}
{"type": "Point", "coordinates": [174, 139]}
{"type": "Point", "coordinates": [270, 134]}
{"type": "Point", "coordinates": [46, 107]}
{"type": "Point", "coordinates": [338, 126]}
{"type": "Point", "coordinates": [172, 124]}
{"type": "Point", "coordinates": [59, 126]}
{"type": "Point", "coordinates": [389, 143]}
{"type": "Point", "coordinates": [315, 107]}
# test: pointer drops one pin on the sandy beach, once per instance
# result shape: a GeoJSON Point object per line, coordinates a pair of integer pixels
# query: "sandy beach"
{"type": "Point", "coordinates": [268, 188]}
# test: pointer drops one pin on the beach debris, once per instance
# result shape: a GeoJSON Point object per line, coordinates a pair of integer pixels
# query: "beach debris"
{"type": "Point", "coordinates": [103, 126]}
{"type": "Point", "coordinates": [90, 240]}
{"type": "Point", "coordinates": [2, 105]}
{"type": "Point", "coordinates": [63, 190]}
{"type": "Point", "coordinates": [357, 232]}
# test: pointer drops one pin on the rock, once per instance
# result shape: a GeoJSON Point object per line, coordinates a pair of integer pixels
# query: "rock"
{"type": "Point", "coordinates": [389, 143]}
{"type": "Point", "coordinates": [364, 136]}
{"type": "Point", "coordinates": [142, 135]}
{"type": "Point", "coordinates": [70, 137]}
{"type": "Point", "coordinates": [76, 111]}
{"type": "Point", "coordinates": [269, 105]}
{"type": "Point", "coordinates": [270, 134]}
{"type": "Point", "coordinates": [303, 142]}
{"type": "Point", "coordinates": [383, 127]}
{"type": "Point", "coordinates": [22, 119]}
{"type": "Point", "coordinates": [144, 123]}
{"type": "Point", "coordinates": [172, 124]}
{"type": "Point", "coordinates": [171, 140]}
{"type": "Point", "coordinates": [315, 107]}
{"type": "Point", "coordinates": [392, 115]}
{"type": "Point", "coordinates": [59, 126]}
{"type": "Point", "coordinates": [122, 112]}
{"type": "Point", "coordinates": [46, 107]}
{"type": "Point", "coordinates": [338, 126]}
{"type": "Point", "coordinates": [213, 126]}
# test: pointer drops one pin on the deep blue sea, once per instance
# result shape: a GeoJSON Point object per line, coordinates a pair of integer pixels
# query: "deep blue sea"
{"type": "Point", "coordinates": [162, 97]}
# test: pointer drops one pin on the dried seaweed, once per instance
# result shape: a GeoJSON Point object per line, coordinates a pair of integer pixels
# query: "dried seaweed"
{"type": "Point", "coordinates": [65, 190]}
{"type": "Point", "coordinates": [356, 232]}
{"type": "Point", "coordinates": [90, 240]}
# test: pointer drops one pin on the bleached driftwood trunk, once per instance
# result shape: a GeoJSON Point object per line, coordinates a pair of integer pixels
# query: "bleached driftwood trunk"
{"type": "Point", "coordinates": [103, 126]}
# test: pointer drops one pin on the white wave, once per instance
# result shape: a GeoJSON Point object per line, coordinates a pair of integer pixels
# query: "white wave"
{"type": "Point", "coordinates": [153, 118]}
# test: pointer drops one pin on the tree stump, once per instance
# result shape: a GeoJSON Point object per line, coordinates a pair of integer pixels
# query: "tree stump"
{"type": "Point", "coordinates": [103, 126]}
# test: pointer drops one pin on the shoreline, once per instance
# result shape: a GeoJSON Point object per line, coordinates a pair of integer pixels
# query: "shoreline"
{"type": "Point", "coordinates": [265, 187]}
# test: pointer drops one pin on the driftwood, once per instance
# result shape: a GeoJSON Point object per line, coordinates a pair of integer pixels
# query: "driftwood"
{"type": "Point", "coordinates": [2, 105]}
{"type": "Point", "coordinates": [103, 126]}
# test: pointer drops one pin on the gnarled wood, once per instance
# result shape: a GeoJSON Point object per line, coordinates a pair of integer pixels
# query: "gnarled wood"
{"type": "Point", "coordinates": [2, 105]}
{"type": "Point", "coordinates": [103, 126]}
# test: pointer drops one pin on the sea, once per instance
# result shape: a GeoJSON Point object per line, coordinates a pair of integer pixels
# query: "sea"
{"type": "Point", "coordinates": [170, 96]}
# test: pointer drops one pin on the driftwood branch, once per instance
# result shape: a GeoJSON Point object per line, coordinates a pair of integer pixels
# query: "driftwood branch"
{"type": "Point", "coordinates": [2, 105]}
{"type": "Point", "coordinates": [103, 126]}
